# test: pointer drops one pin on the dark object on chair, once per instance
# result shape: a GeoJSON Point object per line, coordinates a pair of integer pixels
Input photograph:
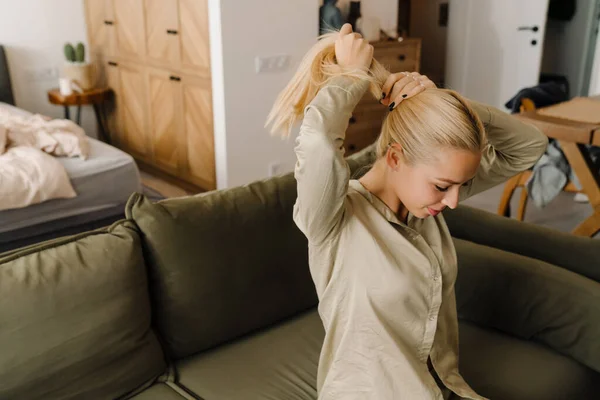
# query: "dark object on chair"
{"type": "Point", "coordinates": [543, 95]}
{"type": "Point", "coordinates": [6, 93]}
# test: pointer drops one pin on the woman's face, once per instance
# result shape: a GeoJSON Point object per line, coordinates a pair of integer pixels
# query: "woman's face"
{"type": "Point", "coordinates": [425, 189]}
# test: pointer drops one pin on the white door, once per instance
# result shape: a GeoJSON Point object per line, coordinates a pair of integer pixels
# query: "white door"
{"type": "Point", "coordinates": [494, 47]}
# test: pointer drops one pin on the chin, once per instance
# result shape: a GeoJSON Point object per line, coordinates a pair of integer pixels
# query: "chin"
{"type": "Point", "coordinates": [421, 213]}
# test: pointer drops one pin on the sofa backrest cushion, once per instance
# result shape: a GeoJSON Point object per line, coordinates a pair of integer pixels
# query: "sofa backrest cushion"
{"type": "Point", "coordinates": [224, 263]}
{"type": "Point", "coordinates": [75, 318]}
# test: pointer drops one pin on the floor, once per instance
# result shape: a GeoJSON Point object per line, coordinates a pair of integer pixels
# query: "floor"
{"type": "Point", "coordinates": [562, 214]}
{"type": "Point", "coordinates": [161, 186]}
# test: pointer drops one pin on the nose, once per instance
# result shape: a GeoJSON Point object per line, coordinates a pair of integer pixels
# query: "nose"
{"type": "Point", "coordinates": [451, 198]}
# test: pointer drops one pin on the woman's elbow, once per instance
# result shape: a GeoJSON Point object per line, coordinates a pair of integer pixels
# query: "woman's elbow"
{"type": "Point", "coordinates": [539, 142]}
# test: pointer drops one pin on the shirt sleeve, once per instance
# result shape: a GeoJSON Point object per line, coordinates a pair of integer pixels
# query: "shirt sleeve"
{"type": "Point", "coordinates": [513, 147]}
{"type": "Point", "coordinates": [321, 172]}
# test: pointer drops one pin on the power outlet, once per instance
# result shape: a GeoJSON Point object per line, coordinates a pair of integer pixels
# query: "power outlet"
{"type": "Point", "coordinates": [271, 63]}
{"type": "Point", "coordinates": [42, 74]}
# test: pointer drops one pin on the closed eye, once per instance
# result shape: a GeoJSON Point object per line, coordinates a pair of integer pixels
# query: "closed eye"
{"type": "Point", "coordinates": [445, 189]}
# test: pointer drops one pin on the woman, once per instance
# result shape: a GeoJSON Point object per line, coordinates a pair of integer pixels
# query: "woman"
{"type": "Point", "coordinates": [380, 253]}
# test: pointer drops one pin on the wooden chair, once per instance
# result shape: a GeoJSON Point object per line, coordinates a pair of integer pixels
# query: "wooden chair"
{"type": "Point", "coordinates": [521, 179]}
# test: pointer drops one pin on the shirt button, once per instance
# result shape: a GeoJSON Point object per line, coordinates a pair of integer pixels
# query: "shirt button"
{"type": "Point", "coordinates": [436, 277]}
{"type": "Point", "coordinates": [431, 317]}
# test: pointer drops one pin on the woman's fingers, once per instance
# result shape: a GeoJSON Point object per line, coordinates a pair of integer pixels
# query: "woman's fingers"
{"type": "Point", "coordinates": [352, 51]}
{"type": "Point", "coordinates": [410, 90]}
{"type": "Point", "coordinates": [345, 29]}
{"type": "Point", "coordinates": [408, 86]}
{"type": "Point", "coordinates": [394, 83]}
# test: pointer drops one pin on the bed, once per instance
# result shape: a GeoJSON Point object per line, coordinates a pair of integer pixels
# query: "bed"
{"type": "Point", "coordinates": [103, 184]}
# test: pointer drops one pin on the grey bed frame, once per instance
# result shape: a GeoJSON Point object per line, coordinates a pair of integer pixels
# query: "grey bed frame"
{"type": "Point", "coordinates": [6, 92]}
{"type": "Point", "coordinates": [57, 228]}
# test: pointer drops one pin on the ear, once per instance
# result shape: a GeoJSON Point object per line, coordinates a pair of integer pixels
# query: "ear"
{"type": "Point", "coordinates": [394, 158]}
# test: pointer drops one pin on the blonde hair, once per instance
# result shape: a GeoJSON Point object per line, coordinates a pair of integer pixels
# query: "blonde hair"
{"type": "Point", "coordinates": [434, 118]}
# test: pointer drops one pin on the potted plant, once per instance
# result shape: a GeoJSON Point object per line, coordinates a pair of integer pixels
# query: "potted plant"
{"type": "Point", "coordinates": [76, 69]}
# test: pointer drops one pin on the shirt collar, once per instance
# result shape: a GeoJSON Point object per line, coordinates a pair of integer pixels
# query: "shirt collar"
{"type": "Point", "coordinates": [378, 203]}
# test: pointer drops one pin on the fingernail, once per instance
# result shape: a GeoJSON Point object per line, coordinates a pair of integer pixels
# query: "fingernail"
{"type": "Point", "coordinates": [392, 105]}
{"type": "Point", "coordinates": [382, 96]}
{"type": "Point", "coordinates": [404, 96]}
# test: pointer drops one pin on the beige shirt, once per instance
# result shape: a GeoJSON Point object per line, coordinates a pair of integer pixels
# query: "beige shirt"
{"type": "Point", "coordinates": [386, 289]}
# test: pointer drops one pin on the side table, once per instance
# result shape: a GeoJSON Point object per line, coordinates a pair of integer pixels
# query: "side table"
{"type": "Point", "coordinates": [95, 97]}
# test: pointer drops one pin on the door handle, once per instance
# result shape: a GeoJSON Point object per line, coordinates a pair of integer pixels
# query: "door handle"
{"type": "Point", "coordinates": [171, 31]}
{"type": "Point", "coordinates": [529, 28]}
{"type": "Point", "coordinates": [108, 22]}
{"type": "Point", "coordinates": [112, 63]}
{"type": "Point", "coordinates": [174, 78]}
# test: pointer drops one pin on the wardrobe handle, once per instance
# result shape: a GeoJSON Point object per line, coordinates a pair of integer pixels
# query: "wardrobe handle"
{"type": "Point", "coordinates": [352, 120]}
{"type": "Point", "coordinates": [106, 22]}
{"type": "Point", "coordinates": [401, 57]}
{"type": "Point", "coordinates": [112, 63]}
{"type": "Point", "coordinates": [174, 78]}
{"type": "Point", "coordinates": [171, 32]}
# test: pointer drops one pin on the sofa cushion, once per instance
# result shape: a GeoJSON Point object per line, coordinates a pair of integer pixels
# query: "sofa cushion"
{"type": "Point", "coordinates": [162, 391]}
{"type": "Point", "coordinates": [500, 366]}
{"type": "Point", "coordinates": [530, 299]}
{"type": "Point", "coordinates": [279, 363]}
{"type": "Point", "coordinates": [575, 253]}
{"type": "Point", "coordinates": [75, 318]}
{"type": "Point", "coordinates": [224, 263]}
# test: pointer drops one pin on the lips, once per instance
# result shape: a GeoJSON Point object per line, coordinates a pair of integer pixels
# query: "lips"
{"type": "Point", "coordinates": [433, 212]}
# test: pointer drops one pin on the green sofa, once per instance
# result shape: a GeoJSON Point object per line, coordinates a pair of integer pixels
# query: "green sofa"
{"type": "Point", "coordinates": [210, 297]}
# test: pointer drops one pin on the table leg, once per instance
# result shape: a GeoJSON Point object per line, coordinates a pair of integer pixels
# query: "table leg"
{"type": "Point", "coordinates": [589, 178]}
{"type": "Point", "coordinates": [67, 113]}
{"type": "Point", "coordinates": [78, 119]}
{"type": "Point", "coordinates": [101, 126]}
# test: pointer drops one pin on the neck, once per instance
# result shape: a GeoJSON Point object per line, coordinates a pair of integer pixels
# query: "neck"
{"type": "Point", "coordinates": [378, 182]}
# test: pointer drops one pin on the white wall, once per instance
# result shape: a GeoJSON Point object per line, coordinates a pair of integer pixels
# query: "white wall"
{"type": "Point", "coordinates": [240, 31]}
{"type": "Point", "coordinates": [34, 32]}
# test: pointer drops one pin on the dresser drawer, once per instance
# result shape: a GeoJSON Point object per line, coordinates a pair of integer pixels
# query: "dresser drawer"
{"type": "Point", "coordinates": [399, 56]}
{"type": "Point", "coordinates": [362, 131]}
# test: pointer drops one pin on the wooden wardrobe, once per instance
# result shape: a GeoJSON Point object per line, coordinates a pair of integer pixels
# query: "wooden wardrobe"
{"type": "Point", "coordinates": [155, 56]}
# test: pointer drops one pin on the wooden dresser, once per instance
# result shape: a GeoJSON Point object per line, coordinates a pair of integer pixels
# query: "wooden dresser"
{"type": "Point", "coordinates": [367, 118]}
{"type": "Point", "coordinates": [154, 55]}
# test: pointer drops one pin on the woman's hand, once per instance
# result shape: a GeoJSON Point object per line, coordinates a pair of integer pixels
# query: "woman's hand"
{"type": "Point", "coordinates": [404, 85]}
{"type": "Point", "coordinates": [352, 51]}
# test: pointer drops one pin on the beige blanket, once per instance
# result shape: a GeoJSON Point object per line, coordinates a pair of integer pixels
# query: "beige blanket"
{"type": "Point", "coordinates": [29, 173]}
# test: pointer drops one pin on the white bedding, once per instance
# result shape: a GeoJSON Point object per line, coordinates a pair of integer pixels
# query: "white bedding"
{"type": "Point", "coordinates": [29, 172]}
{"type": "Point", "coordinates": [103, 182]}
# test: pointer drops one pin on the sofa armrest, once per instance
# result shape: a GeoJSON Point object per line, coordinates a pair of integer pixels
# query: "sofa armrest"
{"type": "Point", "coordinates": [575, 253]}
{"type": "Point", "coordinates": [530, 299]}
